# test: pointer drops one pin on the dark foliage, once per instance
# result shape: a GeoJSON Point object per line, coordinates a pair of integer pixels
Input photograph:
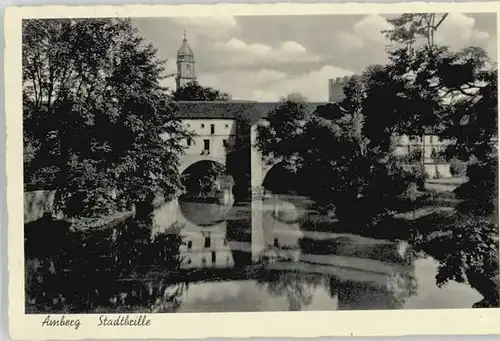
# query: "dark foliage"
{"type": "Point", "coordinates": [458, 167]}
{"type": "Point", "coordinates": [326, 157]}
{"type": "Point", "coordinates": [195, 92]}
{"type": "Point", "coordinates": [78, 272]}
{"type": "Point", "coordinates": [97, 125]}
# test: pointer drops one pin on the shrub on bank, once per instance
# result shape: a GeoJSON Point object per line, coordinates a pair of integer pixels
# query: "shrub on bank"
{"type": "Point", "coordinates": [458, 167]}
{"type": "Point", "coordinates": [466, 247]}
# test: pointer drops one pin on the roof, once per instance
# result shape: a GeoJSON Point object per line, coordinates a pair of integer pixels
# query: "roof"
{"type": "Point", "coordinates": [238, 110]}
{"type": "Point", "coordinates": [185, 50]}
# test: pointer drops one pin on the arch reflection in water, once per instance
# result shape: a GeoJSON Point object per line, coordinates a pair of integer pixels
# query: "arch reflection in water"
{"type": "Point", "coordinates": [296, 258]}
{"type": "Point", "coordinates": [204, 232]}
{"type": "Point", "coordinates": [255, 258]}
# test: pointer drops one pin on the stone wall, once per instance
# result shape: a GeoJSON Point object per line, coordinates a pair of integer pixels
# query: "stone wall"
{"type": "Point", "coordinates": [336, 88]}
{"type": "Point", "coordinates": [438, 170]}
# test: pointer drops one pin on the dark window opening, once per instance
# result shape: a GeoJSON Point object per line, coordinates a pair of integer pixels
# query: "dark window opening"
{"type": "Point", "coordinates": [190, 244]}
{"type": "Point", "coordinates": [207, 242]}
{"type": "Point", "coordinates": [276, 243]}
{"type": "Point", "coordinates": [206, 145]}
{"type": "Point", "coordinates": [224, 143]}
{"type": "Point", "coordinates": [188, 261]}
{"type": "Point", "coordinates": [212, 129]}
{"type": "Point", "coordinates": [189, 141]}
{"type": "Point", "coordinates": [213, 257]}
{"type": "Point", "coordinates": [202, 125]}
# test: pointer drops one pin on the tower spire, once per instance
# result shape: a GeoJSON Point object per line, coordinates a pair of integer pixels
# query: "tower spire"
{"type": "Point", "coordinates": [185, 63]}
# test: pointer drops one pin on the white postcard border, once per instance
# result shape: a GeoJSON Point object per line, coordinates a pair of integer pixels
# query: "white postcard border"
{"type": "Point", "coordinates": [233, 325]}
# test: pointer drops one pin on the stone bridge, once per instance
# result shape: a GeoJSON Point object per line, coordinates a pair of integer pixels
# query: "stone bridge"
{"type": "Point", "coordinates": [259, 168]}
{"type": "Point", "coordinates": [217, 126]}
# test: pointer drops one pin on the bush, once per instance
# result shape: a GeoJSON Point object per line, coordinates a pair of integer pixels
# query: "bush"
{"type": "Point", "coordinates": [473, 255]}
{"type": "Point", "coordinates": [458, 167]}
{"type": "Point", "coordinates": [381, 187]}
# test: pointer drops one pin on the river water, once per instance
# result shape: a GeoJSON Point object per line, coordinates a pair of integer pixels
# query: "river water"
{"type": "Point", "coordinates": [263, 255]}
{"type": "Point", "coordinates": [306, 269]}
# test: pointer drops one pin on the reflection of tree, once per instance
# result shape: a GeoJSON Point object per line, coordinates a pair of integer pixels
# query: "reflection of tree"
{"type": "Point", "coordinates": [134, 249]}
{"type": "Point", "coordinates": [90, 274]}
{"type": "Point", "coordinates": [168, 297]}
{"type": "Point", "coordinates": [297, 287]}
{"type": "Point", "coordinates": [363, 295]}
{"type": "Point", "coordinates": [402, 286]}
{"type": "Point", "coordinates": [152, 296]}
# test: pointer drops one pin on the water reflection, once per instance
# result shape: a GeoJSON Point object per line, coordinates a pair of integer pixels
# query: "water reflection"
{"type": "Point", "coordinates": [256, 256]}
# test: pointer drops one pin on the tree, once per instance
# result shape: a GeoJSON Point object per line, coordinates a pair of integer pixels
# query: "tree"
{"type": "Point", "coordinates": [281, 135]}
{"type": "Point", "coordinates": [238, 159]}
{"type": "Point", "coordinates": [456, 93]}
{"type": "Point", "coordinates": [97, 117]}
{"type": "Point", "coordinates": [327, 154]}
{"type": "Point", "coordinates": [410, 28]}
{"type": "Point", "coordinates": [195, 92]}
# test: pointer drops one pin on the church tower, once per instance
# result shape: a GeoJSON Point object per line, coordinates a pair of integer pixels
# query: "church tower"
{"type": "Point", "coordinates": [185, 64]}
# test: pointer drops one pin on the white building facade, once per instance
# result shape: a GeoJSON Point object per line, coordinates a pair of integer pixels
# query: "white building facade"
{"type": "Point", "coordinates": [211, 139]}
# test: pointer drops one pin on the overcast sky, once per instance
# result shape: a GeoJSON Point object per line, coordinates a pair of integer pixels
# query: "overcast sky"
{"type": "Point", "coordinates": [266, 57]}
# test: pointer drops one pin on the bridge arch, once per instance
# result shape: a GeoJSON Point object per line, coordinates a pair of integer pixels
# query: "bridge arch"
{"type": "Point", "coordinates": [187, 160]}
{"type": "Point", "coordinates": [211, 170]}
{"type": "Point", "coordinates": [277, 179]}
{"type": "Point", "coordinates": [208, 195]}
{"type": "Point", "coordinates": [259, 165]}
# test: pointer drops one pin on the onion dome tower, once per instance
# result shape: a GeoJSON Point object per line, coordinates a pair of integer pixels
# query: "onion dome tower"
{"type": "Point", "coordinates": [185, 64]}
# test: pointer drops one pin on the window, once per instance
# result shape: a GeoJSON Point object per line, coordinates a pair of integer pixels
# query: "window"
{"type": "Point", "coordinates": [190, 244]}
{"type": "Point", "coordinates": [212, 129]}
{"type": "Point", "coordinates": [276, 243]}
{"type": "Point", "coordinates": [202, 125]}
{"type": "Point", "coordinates": [207, 242]}
{"type": "Point", "coordinates": [224, 143]}
{"type": "Point", "coordinates": [226, 126]}
{"type": "Point", "coordinates": [206, 145]}
{"type": "Point", "coordinates": [189, 141]}
{"type": "Point", "coordinates": [188, 261]}
{"type": "Point", "coordinates": [213, 257]}
{"type": "Point", "coordinates": [434, 154]}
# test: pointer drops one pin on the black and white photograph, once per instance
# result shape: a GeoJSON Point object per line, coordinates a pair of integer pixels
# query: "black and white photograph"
{"type": "Point", "coordinates": [258, 163]}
